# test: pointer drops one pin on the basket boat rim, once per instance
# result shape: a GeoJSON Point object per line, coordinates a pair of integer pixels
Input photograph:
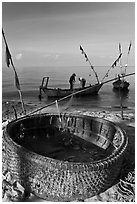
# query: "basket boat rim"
{"type": "Point", "coordinates": [30, 155]}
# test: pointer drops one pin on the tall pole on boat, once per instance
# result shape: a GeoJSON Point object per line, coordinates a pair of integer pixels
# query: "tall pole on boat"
{"type": "Point", "coordinates": [94, 71]}
{"type": "Point", "coordinates": [129, 48]}
{"type": "Point", "coordinates": [112, 66]}
{"type": "Point", "coordinates": [121, 102]}
{"type": "Point", "coordinates": [120, 52]}
{"type": "Point", "coordinates": [87, 59]}
{"type": "Point", "coordinates": [120, 61]}
{"type": "Point", "coordinates": [10, 61]}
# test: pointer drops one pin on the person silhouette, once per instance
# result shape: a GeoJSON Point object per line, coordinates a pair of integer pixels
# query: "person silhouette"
{"type": "Point", "coordinates": [72, 81]}
{"type": "Point", "coordinates": [82, 82]}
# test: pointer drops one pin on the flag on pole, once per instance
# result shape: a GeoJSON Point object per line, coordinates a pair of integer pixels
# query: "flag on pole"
{"type": "Point", "coordinates": [84, 53]}
{"type": "Point", "coordinates": [8, 62]}
{"type": "Point", "coordinates": [17, 84]}
{"type": "Point", "coordinates": [86, 57]}
{"type": "Point", "coordinates": [8, 56]}
{"type": "Point", "coordinates": [119, 57]}
{"type": "Point", "coordinates": [120, 52]}
{"type": "Point", "coordinates": [129, 47]}
{"type": "Point", "coordinates": [115, 63]}
{"type": "Point", "coordinates": [81, 49]}
{"type": "Point", "coordinates": [119, 48]}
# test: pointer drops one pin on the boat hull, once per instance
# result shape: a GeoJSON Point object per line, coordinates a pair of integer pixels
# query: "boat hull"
{"type": "Point", "coordinates": [121, 84]}
{"type": "Point", "coordinates": [59, 93]}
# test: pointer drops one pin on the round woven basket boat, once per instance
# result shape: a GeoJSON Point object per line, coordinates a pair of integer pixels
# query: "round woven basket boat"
{"type": "Point", "coordinates": [58, 178]}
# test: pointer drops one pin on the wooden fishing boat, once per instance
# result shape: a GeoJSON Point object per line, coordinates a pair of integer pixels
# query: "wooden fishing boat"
{"type": "Point", "coordinates": [120, 84]}
{"type": "Point", "coordinates": [66, 157]}
{"type": "Point", "coordinates": [60, 92]}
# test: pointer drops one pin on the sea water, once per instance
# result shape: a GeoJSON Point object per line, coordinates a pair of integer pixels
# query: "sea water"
{"type": "Point", "coordinates": [31, 78]}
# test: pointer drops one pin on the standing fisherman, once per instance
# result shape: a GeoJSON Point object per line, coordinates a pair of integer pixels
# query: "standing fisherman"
{"type": "Point", "coordinates": [72, 81]}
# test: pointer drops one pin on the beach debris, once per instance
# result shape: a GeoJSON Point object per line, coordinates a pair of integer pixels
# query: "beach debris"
{"type": "Point", "coordinates": [4, 124]}
{"type": "Point", "coordinates": [8, 112]}
{"type": "Point", "coordinates": [111, 116]}
{"type": "Point", "coordinates": [11, 189]}
{"type": "Point", "coordinates": [125, 189]}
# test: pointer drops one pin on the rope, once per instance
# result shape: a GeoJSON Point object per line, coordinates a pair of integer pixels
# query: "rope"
{"type": "Point", "coordinates": [58, 110]}
{"type": "Point", "coordinates": [54, 102]}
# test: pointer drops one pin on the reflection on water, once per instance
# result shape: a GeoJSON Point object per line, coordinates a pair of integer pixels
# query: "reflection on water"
{"type": "Point", "coordinates": [123, 93]}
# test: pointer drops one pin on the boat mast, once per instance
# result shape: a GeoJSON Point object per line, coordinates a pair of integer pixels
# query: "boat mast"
{"type": "Point", "coordinates": [120, 61]}
{"type": "Point", "coordinates": [112, 66]}
{"type": "Point", "coordinates": [87, 60]}
{"type": "Point", "coordinates": [129, 48]}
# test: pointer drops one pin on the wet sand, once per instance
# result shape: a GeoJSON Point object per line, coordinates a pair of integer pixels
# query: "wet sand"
{"type": "Point", "coordinates": [127, 123]}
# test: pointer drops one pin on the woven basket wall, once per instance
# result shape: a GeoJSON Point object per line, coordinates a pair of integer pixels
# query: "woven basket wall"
{"type": "Point", "coordinates": [56, 180]}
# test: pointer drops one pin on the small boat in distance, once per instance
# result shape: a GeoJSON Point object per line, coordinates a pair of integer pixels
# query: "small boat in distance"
{"type": "Point", "coordinates": [63, 92]}
{"type": "Point", "coordinates": [121, 84]}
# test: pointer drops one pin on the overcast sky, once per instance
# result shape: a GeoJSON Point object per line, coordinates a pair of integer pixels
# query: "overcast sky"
{"type": "Point", "coordinates": [50, 33]}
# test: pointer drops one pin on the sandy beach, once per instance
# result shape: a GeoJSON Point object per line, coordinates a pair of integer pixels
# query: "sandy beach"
{"type": "Point", "coordinates": [126, 179]}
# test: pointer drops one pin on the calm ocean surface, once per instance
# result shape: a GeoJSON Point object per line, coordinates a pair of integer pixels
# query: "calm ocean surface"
{"type": "Point", "coordinates": [30, 80]}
